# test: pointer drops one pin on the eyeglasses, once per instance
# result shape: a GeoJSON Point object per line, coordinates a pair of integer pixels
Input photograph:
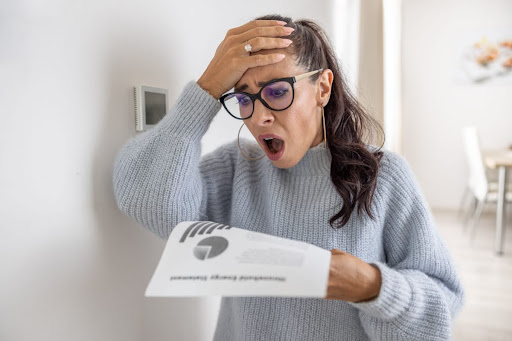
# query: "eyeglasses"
{"type": "Point", "coordinates": [277, 95]}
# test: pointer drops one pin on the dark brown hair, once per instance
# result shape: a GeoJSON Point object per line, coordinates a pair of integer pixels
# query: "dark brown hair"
{"type": "Point", "coordinates": [354, 167]}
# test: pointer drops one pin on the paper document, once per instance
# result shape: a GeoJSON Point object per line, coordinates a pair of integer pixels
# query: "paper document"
{"type": "Point", "coordinates": [205, 258]}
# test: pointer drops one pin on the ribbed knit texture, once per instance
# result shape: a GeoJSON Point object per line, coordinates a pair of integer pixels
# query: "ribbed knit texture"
{"type": "Point", "coordinates": [160, 180]}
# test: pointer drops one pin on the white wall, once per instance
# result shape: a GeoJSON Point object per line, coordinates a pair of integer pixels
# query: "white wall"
{"type": "Point", "coordinates": [435, 107]}
{"type": "Point", "coordinates": [72, 266]}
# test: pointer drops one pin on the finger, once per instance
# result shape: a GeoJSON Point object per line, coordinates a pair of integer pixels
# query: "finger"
{"type": "Point", "coordinates": [253, 24]}
{"type": "Point", "coordinates": [262, 59]}
{"type": "Point", "coordinates": [260, 43]}
{"type": "Point", "coordinates": [274, 31]}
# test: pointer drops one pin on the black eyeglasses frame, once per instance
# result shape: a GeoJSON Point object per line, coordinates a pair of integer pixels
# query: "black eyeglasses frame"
{"type": "Point", "coordinates": [254, 97]}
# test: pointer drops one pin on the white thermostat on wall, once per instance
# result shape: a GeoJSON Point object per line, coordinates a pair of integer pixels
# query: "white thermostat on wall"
{"type": "Point", "coordinates": [150, 106]}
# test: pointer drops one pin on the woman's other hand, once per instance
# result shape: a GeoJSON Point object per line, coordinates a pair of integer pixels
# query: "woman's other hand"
{"type": "Point", "coordinates": [352, 279]}
{"type": "Point", "coordinates": [231, 60]}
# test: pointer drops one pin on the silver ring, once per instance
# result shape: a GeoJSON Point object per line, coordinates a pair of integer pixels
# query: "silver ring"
{"type": "Point", "coordinates": [248, 47]}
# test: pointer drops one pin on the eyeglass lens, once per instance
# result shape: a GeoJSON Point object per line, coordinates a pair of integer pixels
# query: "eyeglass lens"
{"type": "Point", "coordinates": [277, 95]}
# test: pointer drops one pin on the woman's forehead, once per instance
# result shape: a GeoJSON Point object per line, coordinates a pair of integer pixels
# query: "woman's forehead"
{"type": "Point", "coordinates": [255, 77]}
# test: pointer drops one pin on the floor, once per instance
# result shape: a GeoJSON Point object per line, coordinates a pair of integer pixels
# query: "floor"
{"type": "Point", "coordinates": [487, 278]}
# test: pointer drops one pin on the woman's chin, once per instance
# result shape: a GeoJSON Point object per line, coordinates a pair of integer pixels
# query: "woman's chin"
{"type": "Point", "coordinates": [285, 162]}
{"type": "Point", "coordinates": [289, 159]}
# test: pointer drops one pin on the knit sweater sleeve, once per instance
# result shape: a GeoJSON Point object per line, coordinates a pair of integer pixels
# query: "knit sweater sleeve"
{"type": "Point", "coordinates": [159, 177]}
{"type": "Point", "coordinates": [421, 292]}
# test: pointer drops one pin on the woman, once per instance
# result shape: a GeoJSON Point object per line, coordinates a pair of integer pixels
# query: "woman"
{"type": "Point", "coordinates": [391, 275]}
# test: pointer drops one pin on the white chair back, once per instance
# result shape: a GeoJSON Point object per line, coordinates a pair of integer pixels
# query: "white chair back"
{"type": "Point", "coordinates": [477, 178]}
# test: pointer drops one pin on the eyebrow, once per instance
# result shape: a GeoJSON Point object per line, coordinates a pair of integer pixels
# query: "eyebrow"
{"type": "Point", "coordinates": [245, 86]}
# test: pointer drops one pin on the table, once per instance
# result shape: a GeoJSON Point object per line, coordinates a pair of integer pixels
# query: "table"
{"type": "Point", "coordinates": [502, 160]}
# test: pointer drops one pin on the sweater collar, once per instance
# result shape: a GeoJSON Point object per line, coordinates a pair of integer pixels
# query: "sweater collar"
{"type": "Point", "coordinates": [316, 161]}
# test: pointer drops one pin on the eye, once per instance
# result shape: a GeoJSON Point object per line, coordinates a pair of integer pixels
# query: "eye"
{"type": "Point", "coordinates": [278, 92]}
{"type": "Point", "coordinates": [243, 100]}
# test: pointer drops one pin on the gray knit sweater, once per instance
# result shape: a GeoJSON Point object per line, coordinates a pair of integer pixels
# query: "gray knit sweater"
{"type": "Point", "coordinates": [160, 180]}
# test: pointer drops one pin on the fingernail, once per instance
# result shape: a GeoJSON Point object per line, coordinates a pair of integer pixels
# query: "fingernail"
{"type": "Point", "coordinates": [288, 41]}
{"type": "Point", "coordinates": [289, 29]}
{"type": "Point", "coordinates": [280, 22]}
{"type": "Point", "coordinates": [281, 55]}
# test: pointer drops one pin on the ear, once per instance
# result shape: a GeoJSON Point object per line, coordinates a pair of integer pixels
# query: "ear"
{"type": "Point", "coordinates": [324, 87]}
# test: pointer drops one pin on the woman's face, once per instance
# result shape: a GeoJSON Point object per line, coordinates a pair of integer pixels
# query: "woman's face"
{"type": "Point", "coordinates": [300, 126]}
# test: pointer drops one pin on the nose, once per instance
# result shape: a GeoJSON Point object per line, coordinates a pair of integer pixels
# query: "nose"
{"type": "Point", "coordinates": [262, 116]}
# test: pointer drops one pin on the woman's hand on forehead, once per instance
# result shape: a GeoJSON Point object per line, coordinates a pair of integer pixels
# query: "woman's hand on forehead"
{"type": "Point", "coordinates": [231, 59]}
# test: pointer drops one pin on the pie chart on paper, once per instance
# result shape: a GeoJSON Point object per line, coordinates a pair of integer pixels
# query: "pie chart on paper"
{"type": "Point", "coordinates": [210, 247]}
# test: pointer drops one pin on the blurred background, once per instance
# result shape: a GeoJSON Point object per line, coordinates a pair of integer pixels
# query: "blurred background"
{"type": "Point", "coordinates": [434, 73]}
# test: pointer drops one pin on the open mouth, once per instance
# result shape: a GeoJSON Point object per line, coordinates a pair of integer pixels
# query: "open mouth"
{"type": "Point", "coordinates": [274, 146]}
